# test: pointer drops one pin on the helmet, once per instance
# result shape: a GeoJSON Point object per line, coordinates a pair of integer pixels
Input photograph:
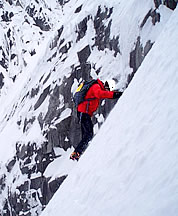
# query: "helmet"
{"type": "Point", "coordinates": [109, 85]}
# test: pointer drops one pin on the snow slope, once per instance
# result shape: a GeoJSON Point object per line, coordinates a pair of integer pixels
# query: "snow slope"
{"type": "Point", "coordinates": [46, 48]}
{"type": "Point", "coordinates": [130, 168]}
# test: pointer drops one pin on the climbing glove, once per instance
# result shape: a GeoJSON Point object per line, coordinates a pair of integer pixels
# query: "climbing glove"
{"type": "Point", "coordinates": [117, 95]}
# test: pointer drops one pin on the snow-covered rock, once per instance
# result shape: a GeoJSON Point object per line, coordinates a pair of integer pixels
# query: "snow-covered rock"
{"type": "Point", "coordinates": [46, 48]}
{"type": "Point", "coordinates": [130, 168]}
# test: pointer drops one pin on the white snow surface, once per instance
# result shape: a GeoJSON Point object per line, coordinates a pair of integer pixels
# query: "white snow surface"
{"type": "Point", "coordinates": [131, 166]}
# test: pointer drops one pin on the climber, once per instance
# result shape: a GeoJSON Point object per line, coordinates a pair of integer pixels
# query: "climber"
{"type": "Point", "coordinates": [85, 110]}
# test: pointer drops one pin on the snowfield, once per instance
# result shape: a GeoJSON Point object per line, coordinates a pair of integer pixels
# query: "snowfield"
{"type": "Point", "coordinates": [131, 166]}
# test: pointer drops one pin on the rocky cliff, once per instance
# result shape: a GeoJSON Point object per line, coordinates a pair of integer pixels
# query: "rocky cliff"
{"type": "Point", "coordinates": [46, 49]}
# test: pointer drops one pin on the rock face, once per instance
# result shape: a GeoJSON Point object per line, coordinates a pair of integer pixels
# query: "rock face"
{"type": "Point", "coordinates": [35, 192]}
{"type": "Point", "coordinates": [171, 4]}
{"type": "Point", "coordinates": [43, 57]}
{"type": "Point", "coordinates": [137, 56]}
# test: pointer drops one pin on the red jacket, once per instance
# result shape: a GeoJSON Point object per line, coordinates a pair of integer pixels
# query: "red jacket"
{"type": "Point", "coordinates": [96, 91]}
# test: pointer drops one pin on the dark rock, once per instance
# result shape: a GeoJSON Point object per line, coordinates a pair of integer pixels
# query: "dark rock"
{"type": "Point", "coordinates": [19, 122]}
{"type": "Point", "coordinates": [154, 15]}
{"type": "Point", "coordinates": [1, 80]}
{"type": "Point", "coordinates": [40, 188]}
{"type": "Point", "coordinates": [105, 109]}
{"type": "Point", "coordinates": [114, 45]}
{"type": "Point", "coordinates": [56, 38]}
{"type": "Point", "coordinates": [63, 2]}
{"type": "Point", "coordinates": [82, 71]}
{"type": "Point", "coordinates": [11, 164]}
{"type": "Point", "coordinates": [13, 56]}
{"type": "Point", "coordinates": [10, 43]}
{"type": "Point", "coordinates": [47, 78]}
{"type": "Point", "coordinates": [147, 47]}
{"type": "Point", "coordinates": [42, 98]}
{"type": "Point", "coordinates": [2, 182]}
{"type": "Point", "coordinates": [60, 31]}
{"type": "Point", "coordinates": [9, 33]}
{"type": "Point", "coordinates": [102, 38]}
{"type": "Point", "coordinates": [47, 151]}
{"type": "Point", "coordinates": [34, 92]}
{"type": "Point", "coordinates": [82, 28]}
{"type": "Point", "coordinates": [25, 170]}
{"type": "Point", "coordinates": [171, 4]}
{"type": "Point", "coordinates": [36, 183]}
{"type": "Point", "coordinates": [84, 54]}
{"type": "Point", "coordinates": [137, 56]}
{"type": "Point", "coordinates": [23, 187]}
{"type": "Point", "coordinates": [6, 210]}
{"type": "Point", "coordinates": [11, 15]}
{"type": "Point", "coordinates": [54, 103]}
{"type": "Point", "coordinates": [33, 52]}
{"type": "Point", "coordinates": [146, 18]}
{"type": "Point", "coordinates": [9, 1]}
{"type": "Point", "coordinates": [78, 9]}
{"type": "Point", "coordinates": [27, 123]}
{"type": "Point", "coordinates": [4, 60]}
{"type": "Point", "coordinates": [98, 70]}
{"type": "Point", "coordinates": [5, 17]}
{"type": "Point", "coordinates": [64, 49]}
{"type": "Point", "coordinates": [43, 157]}
{"type": "Point", "coordinates": [157, 3]}
{"type": "Point", "coordinates": [25, 97]}
{"type": "Point", "coordinates": [40, 120]}
{"type": "Point", "coordinates": [31, 11]}
{"type": "Point", "coordinates": [19, 4]}
{"type": "Point", "coordinates": [68, 127]}
{"type": "Point", "coordinates": [53, 56]}
{"type": "Point", "coordinates": [42, 24]}
{"type": "Point", "coordinates": [41, 78]}
{"type": "Point", "coordinates": [27, 161]}
{"type": "Point", "coordinates": [61, 42]}
{"type": "Point", "coordinates": [58, 136]}
{"type": "Point", "coordinates": [85, 71]}
{"type": "Point", "coordinates": [14, 78]}
{"type": "Point", "coordinates": [24, 151]}
{"type": "Point", "coordinates": [42, 165]}
{"type": "Point", "coordinates": [47, 189]}
{"type": "Point", "coordinates": [54, 185]}
{"type": "Point", "coordinates": [21, 151]}
{"type": "Point", "coordinates": [39, 20]}
{"type": "Point", "coordinates": [19, 203]}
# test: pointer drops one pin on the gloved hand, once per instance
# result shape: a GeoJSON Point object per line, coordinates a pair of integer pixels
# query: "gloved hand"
{"type": "Point", "coordinates": [117, 95]}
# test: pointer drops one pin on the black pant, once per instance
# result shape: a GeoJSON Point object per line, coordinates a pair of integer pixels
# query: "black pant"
{"type": "Point", "coordinates": [87, 132]}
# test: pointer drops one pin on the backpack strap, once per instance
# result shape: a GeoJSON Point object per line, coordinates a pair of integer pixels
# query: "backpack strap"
{"type": "Point", "coordinates": [89, 99]}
